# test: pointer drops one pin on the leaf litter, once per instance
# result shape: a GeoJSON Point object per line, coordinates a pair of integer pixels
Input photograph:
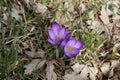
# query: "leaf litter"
{"type": "Point", "coordinates": [35, 64]}
{"type": "Point", "coordinates": [50, 74]}
{"type": "Point", "coordinates": [92, 71]}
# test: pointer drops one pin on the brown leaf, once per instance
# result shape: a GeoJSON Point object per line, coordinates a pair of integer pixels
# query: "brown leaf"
{"type": "Point", "coordinates": [77, 67]}
{"type": "Point", "coordinates": [15, 13]}
{"type": "Point", "coordinates": [51, 75]}
{"type": "Point", "coordinates": [104, 16]}
{"type": "Point", "coordinates": [34, 65]}
{"type": "Point", "coordinates": [108, 67]}
{"type": "Point", "coordinates": [82, 72]}
{"type": "Point", "coordinates": [94, 71]}
{"type": "Point", "coordinates": [105, 68]}
{"type": "Point", "coordinates": [33, 53]}
{"type": "Point", "coordinates": [40, 8]}
{"type": "Point", "coordinates": [27, 1]}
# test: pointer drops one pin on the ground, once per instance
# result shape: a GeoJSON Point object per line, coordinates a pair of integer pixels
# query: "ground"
{"type": "Point", "coordinates": [25, 53]}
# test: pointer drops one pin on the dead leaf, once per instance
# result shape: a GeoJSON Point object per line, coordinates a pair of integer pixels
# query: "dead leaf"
{"type": "Point", "coordinates": [116, 49]}
{"type": "Point", "coordinates": [114, 63]}
{"type": "Point", "coordinates": [82, 72]}
{"type": "Point", "coordinates": [33, 53]}
{"type": "Point", "coordinates": [71, 76]}
{"type": "Point", "coordinates": [92, 72]}
{"type": "Point", "coordinates": [25, 45]}
{"type": "Point", "coordinates": [108, 67]}
{"type": "Point", "coordinates": [34, 65]}
{"type": "Point", "coordinates": [40, 8]}
{"type": "Point", "coordinates": [15, 14]}
{"type": "Point", "coordinates": [104, 16]}
{"type": "Point", "coordinates": [51, 75]}
{"type": "Point", "coordinates": [27, 1]}
{"type": "Point", "coordinates": [59, 15]}
{"type": "Point", "coordinates": [105, 68]}
{"type": "Point", "coordinates": [116, 17]}
{"type": "Point", "coordinates": [83, 7]}
{"type": "Point", "coordinates": [77, 67]}
{"type": "Point", "coordinates": [5, 16]}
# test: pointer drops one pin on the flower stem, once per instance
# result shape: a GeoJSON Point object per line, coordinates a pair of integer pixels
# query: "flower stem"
{"type": "Point", "coordinates": [57, 52]}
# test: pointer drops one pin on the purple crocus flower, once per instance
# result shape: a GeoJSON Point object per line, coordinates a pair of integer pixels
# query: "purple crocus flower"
{"type": "Point", "coordinates": [72, 48]}
{"type": "Point", "coordinates": [63, 43]}
{"type": "Point", "coordinates": [57, 34]}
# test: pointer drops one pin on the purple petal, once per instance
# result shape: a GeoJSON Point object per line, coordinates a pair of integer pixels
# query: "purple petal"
{"type": "Point", "coordinates": [71, 42]}
{"type": "Point", "coordinates": [74, 50]}
{"type": "Point", "coordinates": [51, 34]}
{"type": "Point", "coordinates": [68, 36]}
{"type": "Point", "coordinates": [64, 43]}
{"type": "Point", "coordinates": [72, 54]}
{"type": "Point", "coordinates": [79, 44]}
{"type": "Point", "coordinates": [62, 33]}
{"type": "Point", "coordinates": [50, 41]}
{"type": "Point", "coordinates": [56, 27]}
{"type": "Point", "coordinates": [58, 42]}
{"type": "Point", "coordinates": [68, 55]}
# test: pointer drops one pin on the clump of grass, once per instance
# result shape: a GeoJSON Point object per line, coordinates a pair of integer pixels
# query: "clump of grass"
{"type": "Point", "coordinates": [8, 60]}
{"type": "Point", "coordinates": [91, 40]}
